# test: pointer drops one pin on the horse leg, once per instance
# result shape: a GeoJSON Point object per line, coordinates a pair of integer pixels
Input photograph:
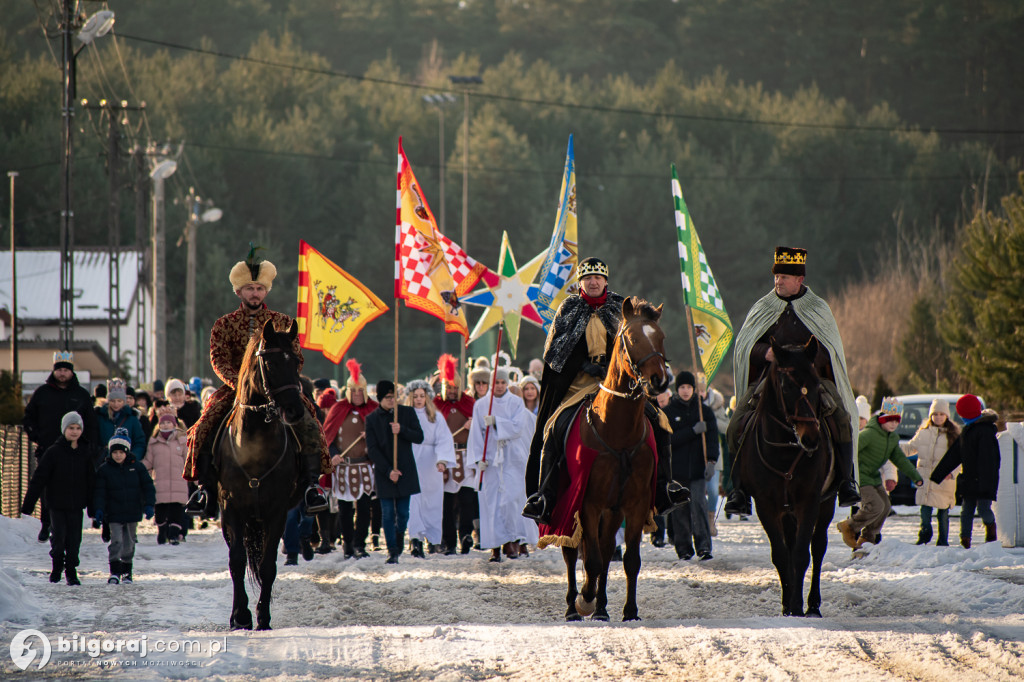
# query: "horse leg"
{"type": "Point", "coordinates": [586, 601]}
{"type": "Point", "coordinates": [799, 558]}
{"type": "Point", "coordinates": [819, 544]}
{"type": "Point", "coordinates": [241, 617]}
{"type": "Point", "coordinates": [780, 556]}
{"type": "Point", "coordinates": [569, 555]}
{"type": "Point", "coordinates": [271, 536]}
{"type": "Point", "coordinates": [631, 563]}
{"type": "Point", "coordinates": [609, 529]}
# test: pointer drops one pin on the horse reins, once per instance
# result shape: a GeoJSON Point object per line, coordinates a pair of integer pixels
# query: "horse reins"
{"type": "Point", "coordinates": [270, 408]}
{"type": "Point", "coordinates": [638, 383]}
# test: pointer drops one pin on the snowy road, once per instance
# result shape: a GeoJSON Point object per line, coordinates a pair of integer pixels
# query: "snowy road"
{"type": "Point", "coordinates": [903, 613]}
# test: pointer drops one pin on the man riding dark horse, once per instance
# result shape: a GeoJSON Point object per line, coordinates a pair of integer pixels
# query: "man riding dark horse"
{"type": "Point", "coordinates": [251, 281]}
{"type": "Point", "coordinates": [792, 314]}
{"type": "Point", "coordinates": [576, 354]}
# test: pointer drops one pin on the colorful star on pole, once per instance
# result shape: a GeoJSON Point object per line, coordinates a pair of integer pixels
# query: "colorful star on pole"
{"type": "Point", "coordinates": [509, 297]}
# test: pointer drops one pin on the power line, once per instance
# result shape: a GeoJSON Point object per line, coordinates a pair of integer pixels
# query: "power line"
{"type": "Point", "coordinates": [575, 106]}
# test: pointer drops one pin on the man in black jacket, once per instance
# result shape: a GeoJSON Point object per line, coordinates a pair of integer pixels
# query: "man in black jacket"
{"type": "Point", "coordinates": [395, 484]}
{"type": "Point", "coordinates": [49, 403]}
{"type": "Point", "coordinates": [694, 433]}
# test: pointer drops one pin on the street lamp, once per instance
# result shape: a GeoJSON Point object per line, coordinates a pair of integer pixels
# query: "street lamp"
{"type": "Point", "coordinates": [195, 219]}
{"type": "Point", "coordinates": [466, 81]}
{"type": "Point", "coordinates": [161, 171]}
{"type": "Point", "coordinates": [97, 25]}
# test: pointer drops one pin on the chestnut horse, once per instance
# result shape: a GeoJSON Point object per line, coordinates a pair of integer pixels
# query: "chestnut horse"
{"type": "Point", "coordinates": [788, 467]}
{"type": "Point", "coordinates": [259, 467]}
{"type": "Point", "coordinates": [620, 480]}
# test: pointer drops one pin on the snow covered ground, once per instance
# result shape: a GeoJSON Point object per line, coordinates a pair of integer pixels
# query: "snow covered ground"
{"type": "Point", "coordinates": [902, 613]}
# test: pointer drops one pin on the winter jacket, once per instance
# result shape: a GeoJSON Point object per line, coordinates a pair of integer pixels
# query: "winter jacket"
{"type": "Point", "coordinates": [165, 460]}
{"type": "Point", "coordinates": [875, 445]}
{"type": "Point", "coordinates": [931, 444]}
{"type": "Point", "coordinates": [687, 450]}
{"type": "Point", "coordinates": [64, 478]}
{"type": "Point", "coordinates": [978, 451]}
{"type": "Point", "coordinates": [124, 418]}
{"type": "Point", "coordinates": [189, 412]}
{"type": "Point", "coordinates": [379, 447]}
{"type": "Point", "coordinates": [47, 407]}
{"type": "Point", "coordinates": [123, 491]}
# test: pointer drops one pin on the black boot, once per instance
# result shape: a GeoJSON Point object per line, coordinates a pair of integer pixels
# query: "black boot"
{"type": "Point", "coordinates": [291, 560]}
{"type": "Point", "coordinates": [126, 572]}
{"type": "Point", "coordinates": [990, 532]}
{"type": "Point", "coordinates": [670, 496]}
{"type": "Point", "coordinates": [417, 549]}
{"type": "Point", "coordinates": [307, 549]}
{"type": "Point", "coordinates": [315, 498]}
{"type": "Point", "coordinates": [71, 575]}
{"type": "Point", "coordinates": [58, 566]}
{"type": "Point", "coordinates": [203, 502]}
{"type": "Point", "coordinates": [738, 502]}
{"type": "Point", "coordinates": [541, 504]}
{"type": "Point", "coordinates": [847, 491]}
{"type": "Point", "coordinates": [924, 535]}
{"type": "Point", "coordinates": [115, 573]}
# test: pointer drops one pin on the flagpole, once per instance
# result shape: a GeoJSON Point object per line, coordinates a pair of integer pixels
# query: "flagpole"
{"type": "Point", "coordinates": [394, 437]}
{"type": "Point", "coordinates": [490, 406]}
{"type": "Point", "coordinates": [693, 356]}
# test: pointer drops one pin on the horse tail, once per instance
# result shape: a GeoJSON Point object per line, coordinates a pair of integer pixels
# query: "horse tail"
{"type": "Point", "coordinates": [254, 541]}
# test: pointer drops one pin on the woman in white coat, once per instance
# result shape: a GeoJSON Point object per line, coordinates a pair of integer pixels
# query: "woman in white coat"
{"type": "Point", "coordinates": [435, 454]}
{"type": "Point", "coordinates": [931, 441]}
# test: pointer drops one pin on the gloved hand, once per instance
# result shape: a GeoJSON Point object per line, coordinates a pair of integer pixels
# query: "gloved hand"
{"type": "Point", "coordinates": [97, 518]}
{"type": "Point", "coordinates": [700, 427]}
{"type": "Point", "coordinates": [148, 512]}
{"type": "Point", "coordinates": [27, 510]}
{"type": "Point", "coordinates": [482, 466]}
{"type": "Point", "coordinates": [594, 369]}
{"type": "Point", "coordinates": [709, 470]}
{"type": "Point", "coordinates": [490, 420]}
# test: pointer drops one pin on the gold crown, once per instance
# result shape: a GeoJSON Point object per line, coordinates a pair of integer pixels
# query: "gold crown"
{"type": "Point", "coordinates": [788, 258]}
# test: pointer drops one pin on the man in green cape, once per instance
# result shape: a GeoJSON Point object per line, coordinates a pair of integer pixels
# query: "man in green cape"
{"type": "Point", "coordinates": [791, 311]}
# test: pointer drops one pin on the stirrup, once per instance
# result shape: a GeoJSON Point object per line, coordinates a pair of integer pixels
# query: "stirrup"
{"type": "Point", "coordinates": [317, 502]}
{"type": "Point", "coordinates": [738, 503]}
{"type": "Point", "coordinates": [535, 508]}
{"type": "Point", "coordinates": [677, 495]}
{"type": "Point", "coordinates": [850, 496]}
{"type": "Point", "coordinates": [196, 505]}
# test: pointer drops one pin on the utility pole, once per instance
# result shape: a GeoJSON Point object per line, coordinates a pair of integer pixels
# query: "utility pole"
{"type": "Point", "coordinates": [193, 204]}
{"type": "Point", "coordinates": [142, 251]}
{"type": "Point", "coordinates": [161, 170]}
{"type": "Point", "coordinates": [14, 292]}
{"type": "Point", "coordinates": [67, 225]}
{"type": "Point", "coordinates": [467, 81]}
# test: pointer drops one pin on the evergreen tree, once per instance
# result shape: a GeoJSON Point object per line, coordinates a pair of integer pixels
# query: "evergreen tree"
{"type": "Point", "coordinates": [985, 326]}
{"type": "Point", "coordinates": [924, 354]}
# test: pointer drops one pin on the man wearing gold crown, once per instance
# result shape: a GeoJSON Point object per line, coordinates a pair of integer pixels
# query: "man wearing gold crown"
{"type": "Point", "coordinates": [794, 313]}
{"type": "Point", "coordinates": [576, 354]}
{"type": "Point", "coordinates": [251, 281]}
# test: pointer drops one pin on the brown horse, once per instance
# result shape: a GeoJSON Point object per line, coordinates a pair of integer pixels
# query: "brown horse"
{"type": "Point", "coordinates": [788, 467]}
{"type": "Point", "coordinates": [259, 467]}
{"type": "Point", "coordinates": [620, 480]}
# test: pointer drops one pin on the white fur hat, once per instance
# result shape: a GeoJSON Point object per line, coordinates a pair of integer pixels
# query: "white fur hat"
{"type": "Point", "coordinates": [252, 270]}
{"type": "Point", "coordinates": [863, 408]}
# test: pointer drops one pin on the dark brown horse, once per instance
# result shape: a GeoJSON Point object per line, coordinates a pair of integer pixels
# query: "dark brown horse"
{"type": "Point", "coordinates": [620, 480]}
{"type": "Point", "coordinates": [788, 465]}
{"type": "Point", "coordinates": [259, 468]}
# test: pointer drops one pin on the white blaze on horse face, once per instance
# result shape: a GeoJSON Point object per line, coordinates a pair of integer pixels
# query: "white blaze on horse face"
{"type": "Point", "coordinates": [651, 332]}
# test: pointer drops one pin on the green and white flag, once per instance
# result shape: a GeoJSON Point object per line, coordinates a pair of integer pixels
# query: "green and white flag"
{"type": "Point", "coordinates": [712, 328]}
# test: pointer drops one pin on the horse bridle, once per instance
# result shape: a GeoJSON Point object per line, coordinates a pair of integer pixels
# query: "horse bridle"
{"type": "Point", "coordinates": [792, 420]}
{"type": "Point", "coordinates": [638, 383]}
{"type": "Point", "coordinates": [270, 408]}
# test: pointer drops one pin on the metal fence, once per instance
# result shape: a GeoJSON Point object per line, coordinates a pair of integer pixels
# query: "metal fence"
{"type": "Point", "coordinates": [16, 462]}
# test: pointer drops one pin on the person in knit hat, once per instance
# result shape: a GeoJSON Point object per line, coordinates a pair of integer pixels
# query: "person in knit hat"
{"type": "Point", "coordinates": [876, 444]}
{"type": "Point", "coordinates": [49, 403]}
{"type": "Point", "coordinates": [187, 409]}
{"type": "Point", "coordinates": [124, 492]}
{"type": "Point", "coordinates": [977, 451]}
{"type": "Point", "coordinates": [116, 414]}
{"type": "Point", "coordinates": [64, 479]}
{"type": "Point", "coordinates": [165, 460]}
{"type": "Point", "coordinates": [933, 438]}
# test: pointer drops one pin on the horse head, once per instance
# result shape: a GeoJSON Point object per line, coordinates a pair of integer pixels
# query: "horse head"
{"type": "Point", "coordinates": [796, 385]}
{"type": "Point", "coordinates": [271, 370]}
{"type": "Point", "coordinates": [643, 346]}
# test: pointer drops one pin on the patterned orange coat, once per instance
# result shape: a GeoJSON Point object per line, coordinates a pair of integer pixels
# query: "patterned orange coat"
{"type": "Point", "coordinates": [228, 340]}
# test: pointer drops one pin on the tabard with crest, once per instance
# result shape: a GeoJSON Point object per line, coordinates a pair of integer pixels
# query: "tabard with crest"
{"type": "Point", "coordinates": [354, 477]}
{"type": "Point", "coordinates": [455, 417]}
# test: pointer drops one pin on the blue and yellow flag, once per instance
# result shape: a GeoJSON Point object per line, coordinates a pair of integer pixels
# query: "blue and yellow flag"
{"type": "Point", "coordinates": [712, 328]}
{"type": "Point", "coordinates": [563, 252]}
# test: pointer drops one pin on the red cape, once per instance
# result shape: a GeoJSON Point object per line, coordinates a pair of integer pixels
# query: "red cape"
{"type": "Point", "coordinates": [464, 405]}
{"type": "Point", "coordinates": [339, 411]}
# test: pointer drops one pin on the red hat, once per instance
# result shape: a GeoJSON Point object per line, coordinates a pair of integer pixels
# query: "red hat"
{"type": "Point", "coordinates": [969, 406]}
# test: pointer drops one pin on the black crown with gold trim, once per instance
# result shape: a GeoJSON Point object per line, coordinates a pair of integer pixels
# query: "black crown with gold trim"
{"type": "Point", "coordinates": [591, 266]}
{"type": "Point", "coordinates": [790, 260]}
